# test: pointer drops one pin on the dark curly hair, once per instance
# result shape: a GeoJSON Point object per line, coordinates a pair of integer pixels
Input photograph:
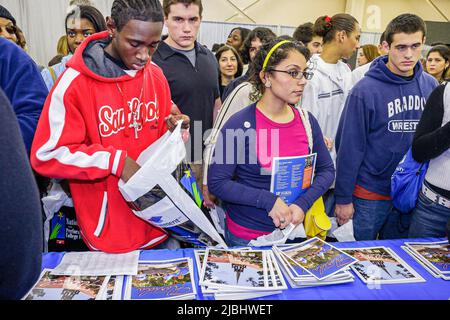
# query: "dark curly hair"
{"type": "Point", "coordinates": [276, 58]}
{"type": "Point", "coordinates": [123, 11]}
{"type": "Point", "coordinates": [261, 33]}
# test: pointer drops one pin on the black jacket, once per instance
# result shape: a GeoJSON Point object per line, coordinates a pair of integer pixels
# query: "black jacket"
{"type": "Point", "coordinates": [20, 211]}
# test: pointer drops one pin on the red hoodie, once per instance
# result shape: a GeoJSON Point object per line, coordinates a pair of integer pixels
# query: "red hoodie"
{"type": "Point", "coordinates": [84, 135]}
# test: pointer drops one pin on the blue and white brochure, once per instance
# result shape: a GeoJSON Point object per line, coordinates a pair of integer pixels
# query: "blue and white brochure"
{"type": "Point", "coordinates": [292, 176]}
{"type": "Point", "coordinates": [162, 280]}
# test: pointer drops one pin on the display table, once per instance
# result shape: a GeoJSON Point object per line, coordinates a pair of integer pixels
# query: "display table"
{"type": "Point", "coordinates": [432, 289]}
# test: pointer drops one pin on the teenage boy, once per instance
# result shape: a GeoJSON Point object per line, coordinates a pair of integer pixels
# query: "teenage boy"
{"type": "Point", "coordinates": [376, 129]}
{"type": "Point", "coordinates": [191, 70]}
{"type": "Point", "coordinates": [108, 106]}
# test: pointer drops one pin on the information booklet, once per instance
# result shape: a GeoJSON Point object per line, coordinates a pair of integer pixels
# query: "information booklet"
{"type": "Point", "coordinates": [299, 277]}
{"type": "Point", "coordinates": [292, 176]}
{"type": "Point", "coordinates": [319, 258]}
{"type": "Point", "coordinates": [162, 280]}
{"type": "Point", "coordinates": [381, 265]}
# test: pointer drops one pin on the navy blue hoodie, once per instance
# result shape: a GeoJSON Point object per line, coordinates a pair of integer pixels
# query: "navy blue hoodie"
{"type": "Point", "coordinates": [377, 127]}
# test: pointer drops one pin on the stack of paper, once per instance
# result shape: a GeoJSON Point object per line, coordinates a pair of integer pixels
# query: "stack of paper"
{"type": "Point", "coordinates": [162, 280]}
{"type": "Point", "coordinates": [433, 256]}
{"type": "Point", "coordinates": [381, 265]}
{"type": "Point", "coordinates": [113, 288]}
{"type": "Point", "coordinates": [314, 263]}
{"type": "Point", "coordinates": [85, 276]}
{"type": "Point", "coordinates": [239, 274]}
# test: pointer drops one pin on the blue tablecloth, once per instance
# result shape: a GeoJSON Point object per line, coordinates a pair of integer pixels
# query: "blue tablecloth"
{"type": "Point", "coordinates": [432, 289]}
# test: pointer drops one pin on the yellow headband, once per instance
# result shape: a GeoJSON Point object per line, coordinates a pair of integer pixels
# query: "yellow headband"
{"type": "Point", "coordinates": [275, 47]}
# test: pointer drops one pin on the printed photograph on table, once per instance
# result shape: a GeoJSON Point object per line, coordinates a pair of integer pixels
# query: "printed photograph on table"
{"type": "Point", "coordinates": [319, 258]}
{"type": "Point", "coordinates": [437, 254]}
{"type": "Point", "coordinates": [53, 287]}
{"type": "Point", "coordinates": [381, 265]}
{"type": "Point", "coordinates": [170, 279]}
{"type": "Point", "coordinates": [234, 268]}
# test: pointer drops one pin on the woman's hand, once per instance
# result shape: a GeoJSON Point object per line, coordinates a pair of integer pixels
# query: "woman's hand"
{"type": "Point", "coordinates": [297, 214]}
{"type": "Point", "coordinates": [280, 214]}
{"type": "Point", "coordinates": [208, 198]}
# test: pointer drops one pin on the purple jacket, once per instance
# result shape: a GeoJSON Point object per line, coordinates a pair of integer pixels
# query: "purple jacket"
{"type": "Point", "coordinates": [235, 177]}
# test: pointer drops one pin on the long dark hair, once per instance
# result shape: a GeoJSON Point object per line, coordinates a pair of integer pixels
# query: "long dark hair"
{"type": "Point", "coordinates": [262, 33]}
{"type": "Point", "coordinates": [327, 27]}
{"type": "Point", "coordinates": [89, 13]}
{"type": "Point", "coordinates": [444, 51]}
{"type": "Point", "coordinates": [226, 48]}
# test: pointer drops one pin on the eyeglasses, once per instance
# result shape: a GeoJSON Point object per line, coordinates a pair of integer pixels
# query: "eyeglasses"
{"type": "Point", "coordinates": [295, 74]}
{"type": "Point", "coordinates": [9, 29]}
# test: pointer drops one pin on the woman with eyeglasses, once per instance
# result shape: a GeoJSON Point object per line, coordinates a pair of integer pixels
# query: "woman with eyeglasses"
{"type": "Point", "coordinates": [81, 22]}
{"type": "Point", "coordinates": [240, 171]}
{"type": "Point", "coordinates": [325, 94]}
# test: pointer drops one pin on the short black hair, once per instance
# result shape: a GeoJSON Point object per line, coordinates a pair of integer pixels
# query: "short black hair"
{"type": "Point", "coordinates": [123, 11]}
{"type": "Point", "coordinates": [90, 13]}
{"type": "Point", "coordinates": [304, 33]}
{"type": "Point", "coordinates": [405, 23]}
{"type": "Point", "coordinates": [168, 3]}
{"type": "Point", "coordinates": [382, 37]}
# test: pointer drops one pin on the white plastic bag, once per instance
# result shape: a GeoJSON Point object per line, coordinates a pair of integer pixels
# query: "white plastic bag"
{"type": "Point", "coordinates": [218, 217]}
{"type": "Point", "coordinates": [158, 162]}
{"type": "Point", "coordinates": [345, 232]}
{"type": "Point", "coordinates": [280, 236]}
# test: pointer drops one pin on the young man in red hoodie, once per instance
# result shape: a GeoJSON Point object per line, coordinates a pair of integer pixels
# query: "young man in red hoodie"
{"type": "Point", "coordinates": [108, 106]}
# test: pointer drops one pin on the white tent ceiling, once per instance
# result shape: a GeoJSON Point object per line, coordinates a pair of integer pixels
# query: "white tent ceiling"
{"type": "Point", "coordinates": [43, 20]}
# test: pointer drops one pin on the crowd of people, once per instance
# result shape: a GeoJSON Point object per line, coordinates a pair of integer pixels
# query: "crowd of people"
{"type": "Point", "coordinates": [116, 85]}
